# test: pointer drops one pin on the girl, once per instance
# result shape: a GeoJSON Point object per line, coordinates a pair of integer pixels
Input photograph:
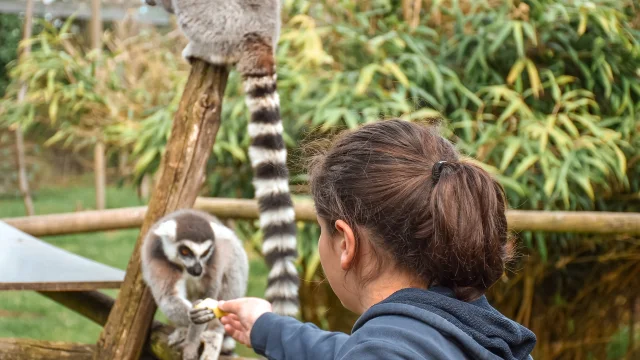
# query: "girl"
{"type": "Point", "coordinates": [411, 238]}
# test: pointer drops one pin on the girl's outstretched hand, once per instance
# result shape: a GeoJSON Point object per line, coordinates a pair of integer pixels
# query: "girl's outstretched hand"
{"type": "Point", "coordinates": [242, 314]}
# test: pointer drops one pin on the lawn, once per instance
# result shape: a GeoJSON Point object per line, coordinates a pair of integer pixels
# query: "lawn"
{"type": "Point", "coordinates": [25, 314]}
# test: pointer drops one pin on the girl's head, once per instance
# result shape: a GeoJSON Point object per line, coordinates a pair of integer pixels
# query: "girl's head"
{"type": "Point", "coordinates": [388, 204]}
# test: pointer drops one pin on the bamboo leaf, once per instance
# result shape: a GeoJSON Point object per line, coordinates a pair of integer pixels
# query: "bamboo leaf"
{"type": "Point", "coordinates": [366, 76]}
{"type": "Point", "coordinates": [508, 154]}
{"type": "Point", "coordinates": [534, 78]}
{"type": "Point", "coordinates": [516, 70]}
{"type": "Point", "coordinates": [517, 35]}
{"type": "Point", "coordinates": [502, 36]}
{"type": "Point", "coordinates": [582, 26]}
{"type": "Point", "coordinates": [53, 109]}
{"type": "Point", "coordinates": [524, 165]}
{"type": "Point", "coordinates": [585, 184]}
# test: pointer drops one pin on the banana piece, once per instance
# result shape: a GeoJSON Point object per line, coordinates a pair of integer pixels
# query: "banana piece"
{"type": "Point", "coordinates": [212, 305]}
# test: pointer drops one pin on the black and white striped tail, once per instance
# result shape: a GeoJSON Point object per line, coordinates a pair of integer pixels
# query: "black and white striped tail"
{"type": "Point", "coordinates": [268, 156]}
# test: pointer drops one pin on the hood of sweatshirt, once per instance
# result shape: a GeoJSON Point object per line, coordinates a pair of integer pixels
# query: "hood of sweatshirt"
{"type": "Point", "coordinates": [479, 329]}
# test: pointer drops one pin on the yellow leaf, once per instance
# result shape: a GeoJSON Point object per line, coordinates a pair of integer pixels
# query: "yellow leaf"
{"type": "Point", "coordinates": [366, 76]}
{"type": "Point", "coordinates": [534, 78]}
{"type": "Point", "coordinates": [516, 70]}
{"type": "Point", "coordinates": [582, 27]}
{"type": "Point", "coordinates": [622, 160]}
{"type": "Point", "coordinates": [524, 165]}
{"type": "Point", "coordinates": [397, 73]}
{"type": "Point", "coordinates": [53, 108]}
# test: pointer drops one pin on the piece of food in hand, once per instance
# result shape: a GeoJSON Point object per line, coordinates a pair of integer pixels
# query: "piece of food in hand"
{"type": "Point", "coordinates": [212, 305]}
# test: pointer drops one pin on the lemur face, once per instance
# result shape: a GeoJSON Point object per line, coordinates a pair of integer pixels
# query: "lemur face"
{"type": "Point", "coordinates": [187, 242]}
{"type": "Point", "coordinates": [193, 256]}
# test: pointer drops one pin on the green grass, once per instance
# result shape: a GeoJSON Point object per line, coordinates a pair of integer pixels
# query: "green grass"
{"type": "Point", "coordinates": [26, 314]}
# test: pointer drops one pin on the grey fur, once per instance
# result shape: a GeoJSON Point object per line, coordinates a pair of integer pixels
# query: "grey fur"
{"type": "Point", "coordinates": [223, 32]}
{"type": "Point", "coordinates": [225, 273]}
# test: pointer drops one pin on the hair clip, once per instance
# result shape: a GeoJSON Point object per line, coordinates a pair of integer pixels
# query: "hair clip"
{"type": "Point", "coordinates": [436, 170]}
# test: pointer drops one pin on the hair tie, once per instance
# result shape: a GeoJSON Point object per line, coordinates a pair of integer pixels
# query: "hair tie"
{"type": "Point", "coordinates": [436, 170]}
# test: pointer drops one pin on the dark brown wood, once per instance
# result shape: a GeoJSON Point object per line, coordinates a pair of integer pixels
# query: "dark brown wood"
{"type": "Point", "coordinates": [93, 305]}
{"type": "Point", "coordinates": [21, 163]}
{"type": "Point", "coordinates": [27, 349]}
{"type": "Point", "coordinates": [193, 134]}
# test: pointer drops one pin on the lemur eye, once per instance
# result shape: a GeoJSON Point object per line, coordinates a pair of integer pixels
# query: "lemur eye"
{"type": "Point", "coordinates": [206, 252]}
{"type": "Point", "coordinates": [184, 251]}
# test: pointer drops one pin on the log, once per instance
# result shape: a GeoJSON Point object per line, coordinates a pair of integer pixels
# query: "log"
{"type": "Point", "coordinates": [21, 349]}
{"type": "Point", "coordinates": [596, 222]}
{"type": "Point", "coordinates": [193, 134]}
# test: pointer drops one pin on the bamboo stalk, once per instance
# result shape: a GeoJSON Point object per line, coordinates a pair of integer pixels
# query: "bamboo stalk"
{"type": "Point", "coordinates": [23, 182]}
{"type": "Point", "coordinates": [193, 134]}
{"type": "Point", "coordinates": [596, 222]}
{"type": "Point", "coordinates": [99, 163]}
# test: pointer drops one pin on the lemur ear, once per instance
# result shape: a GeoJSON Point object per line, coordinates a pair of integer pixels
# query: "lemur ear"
{"type": "Point", "coordinates": [220, 231]}
{"type": "Point", "coordinates": [166, 229]}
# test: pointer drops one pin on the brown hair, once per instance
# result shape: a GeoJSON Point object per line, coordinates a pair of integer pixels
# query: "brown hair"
{"type": "Point", "coordinates": [449, 231]}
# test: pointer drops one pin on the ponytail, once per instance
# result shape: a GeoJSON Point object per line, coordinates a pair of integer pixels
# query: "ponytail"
{"type": "Point", "coordinates": [467, 212]}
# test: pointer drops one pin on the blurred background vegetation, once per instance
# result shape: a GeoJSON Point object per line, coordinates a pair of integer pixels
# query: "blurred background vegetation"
{"type": "Point", "coordinates": [543, 93]}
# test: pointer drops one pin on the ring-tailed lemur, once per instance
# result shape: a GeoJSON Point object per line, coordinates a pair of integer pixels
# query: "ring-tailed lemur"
{"type": "Point", "coordinates": [244, 33]}
{"type": "Point", "coordinates": [187, 256]}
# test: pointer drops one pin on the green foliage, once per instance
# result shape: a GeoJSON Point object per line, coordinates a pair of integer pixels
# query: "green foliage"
{"type": "Point", "coordinates": [10, 33]}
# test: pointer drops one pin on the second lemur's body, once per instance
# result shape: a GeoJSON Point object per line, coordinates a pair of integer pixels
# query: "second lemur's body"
{"type": "Point", "coordinates": [188, 256]}
{"type": "Point", "coordinates": [244, 33]}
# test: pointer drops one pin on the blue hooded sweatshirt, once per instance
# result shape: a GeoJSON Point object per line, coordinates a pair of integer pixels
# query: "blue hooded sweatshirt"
{"type": "Point", "coordinates": [410, 324]}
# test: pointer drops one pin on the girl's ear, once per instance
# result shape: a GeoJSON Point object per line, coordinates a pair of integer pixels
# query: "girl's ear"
{"type": "Point", "coordinates": [347, 244]}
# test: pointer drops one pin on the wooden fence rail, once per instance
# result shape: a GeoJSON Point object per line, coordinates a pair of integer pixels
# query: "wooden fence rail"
{"type": "Point", "coordinates": [594, 222]}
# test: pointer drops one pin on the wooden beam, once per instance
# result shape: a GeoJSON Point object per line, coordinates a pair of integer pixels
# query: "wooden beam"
{"type": "Point", "coordinates": [22, 349]}
{"type": "Point", "coordinates": [596, 222]}
{"type": "Point", "coordinates": [93, 305]}
{"type": "Point", "coordinates": [56, 286]}
{"type": "Point", "coordinates": [193, 134]}
{"type": "Point", "coordinates": [79, 222]}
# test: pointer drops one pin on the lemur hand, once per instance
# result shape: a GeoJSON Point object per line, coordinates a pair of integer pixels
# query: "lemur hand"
{"type": "Point", "coordinates": [200, 315]}
{"type": "Point", "coordinates": [243, 313]}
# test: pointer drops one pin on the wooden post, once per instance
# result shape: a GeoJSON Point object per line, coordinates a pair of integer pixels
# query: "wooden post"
{"type": "Point", "coordinates": [99, 165]}
{"type": "Point", "coordinates": [193, 133]}
{"type": "Point", "coordinates": [23, 183]}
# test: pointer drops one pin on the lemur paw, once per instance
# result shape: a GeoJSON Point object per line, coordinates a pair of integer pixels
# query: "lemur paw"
{"type": "Point", "coordinates": [177, 336]}
{"type": "Point", "coordinates": [201, 315]}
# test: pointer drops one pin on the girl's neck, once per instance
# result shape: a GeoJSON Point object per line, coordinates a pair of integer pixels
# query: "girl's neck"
{"type": "Point", "coordinates": [384, 286]}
